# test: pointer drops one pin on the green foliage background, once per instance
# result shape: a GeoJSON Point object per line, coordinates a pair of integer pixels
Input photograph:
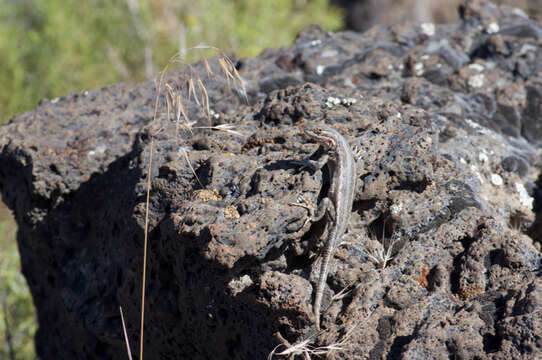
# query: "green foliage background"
{"type": "Point", "coordinates": [53, 47]}
{"type": "Point", "coordinates": [17, 318]}
{"type": "Point", "coordinates": [50, 48]}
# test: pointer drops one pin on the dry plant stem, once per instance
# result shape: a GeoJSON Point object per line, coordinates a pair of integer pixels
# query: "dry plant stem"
{"type": "Point", "coordinates": [146, 233]}
{"type": "Point", "coordinates": [145, 251]}
{"type": "Point", "coordinates": [125, 334]}
{"type": "Point", "coordinates": [304, 348]}
{"type": "Point", "coordinates": [191, 167]}
{"type": "Point", "coordinates": [176, 102]}
{"type": "Point", "coordinates": [382, 256]}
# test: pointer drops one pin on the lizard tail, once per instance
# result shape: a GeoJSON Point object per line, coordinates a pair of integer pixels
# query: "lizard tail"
{"type": "Point", "coordinates": [324, 269]}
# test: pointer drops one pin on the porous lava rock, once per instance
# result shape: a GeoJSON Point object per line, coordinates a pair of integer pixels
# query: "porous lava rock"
{"type": "Point", "coordinates": [360, 15]}
{"type": "Point", "coordinates": [447, 122]}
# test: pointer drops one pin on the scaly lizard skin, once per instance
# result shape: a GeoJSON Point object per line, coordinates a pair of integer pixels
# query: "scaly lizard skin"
{"type": "Point", "coordinates": [338, 203]}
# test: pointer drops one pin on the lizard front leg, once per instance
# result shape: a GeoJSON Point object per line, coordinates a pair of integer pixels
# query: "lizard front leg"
{"type": "Point", "coordinates": [313, 164]}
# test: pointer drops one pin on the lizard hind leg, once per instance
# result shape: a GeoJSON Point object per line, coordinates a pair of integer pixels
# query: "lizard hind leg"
{"type": "Point", "coordinates": [326, 206]}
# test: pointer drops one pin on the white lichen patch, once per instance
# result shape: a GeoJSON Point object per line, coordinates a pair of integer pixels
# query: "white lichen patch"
{"type": "Point", "coordinates": [520, 13]}
{"type": "Point", "coordinates": [316, 42]}
{"type": "Point", "coordinates": [395, 209]}
{"type": "Point", "coordinates": [214, 114]}
{"type": "Point", "coordinates": [524, 197]}
{"type": "Point", "coordinates": [418, 69]}
{"type": "Point", "coordinates": [320, 69]}
{"type": "Point", "coordinates": [100, 149]}
{"type": "Point", "coordinates": [332, 101]}
{"type": "Point", "coordinates": [349, 101]}
{"type": "Point", "coordinates": [473, 124]}
{"type": "Point", "coordinates": [428, 29]}
{"type": "Point", "coordinates": [476, 67]}
{"type": "Point", "coordinates": [482, 157]}
{"type": "Point", "coordinates": [527, 48]}
{"type": "Point", "coordinates": [496, 180]}
{"type": "Point", "coordinates": [493, 28]}
{"type": "Point", "coordinates": [329, 53]}
{"type": "Point", "coordinates": [476, 81]}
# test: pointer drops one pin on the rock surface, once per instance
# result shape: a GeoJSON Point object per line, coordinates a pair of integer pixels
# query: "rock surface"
{"type": "Point", "coordinates": [360, 15]}
{"type": "Point", "coordinates": [448, 122]}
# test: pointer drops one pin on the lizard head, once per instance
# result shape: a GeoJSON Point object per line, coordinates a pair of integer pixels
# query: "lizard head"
{"type": "Point", "coordinates": [322, 133]}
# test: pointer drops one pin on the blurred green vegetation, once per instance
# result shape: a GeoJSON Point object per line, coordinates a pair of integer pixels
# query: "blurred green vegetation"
{"type": "Point", "coordinates": [50, 48]}
{"type": "Point", "coordinates": [17, 318]}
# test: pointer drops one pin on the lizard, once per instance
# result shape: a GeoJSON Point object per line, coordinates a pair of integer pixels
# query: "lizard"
{"type": "Point", "coordinates": [338, 202]}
